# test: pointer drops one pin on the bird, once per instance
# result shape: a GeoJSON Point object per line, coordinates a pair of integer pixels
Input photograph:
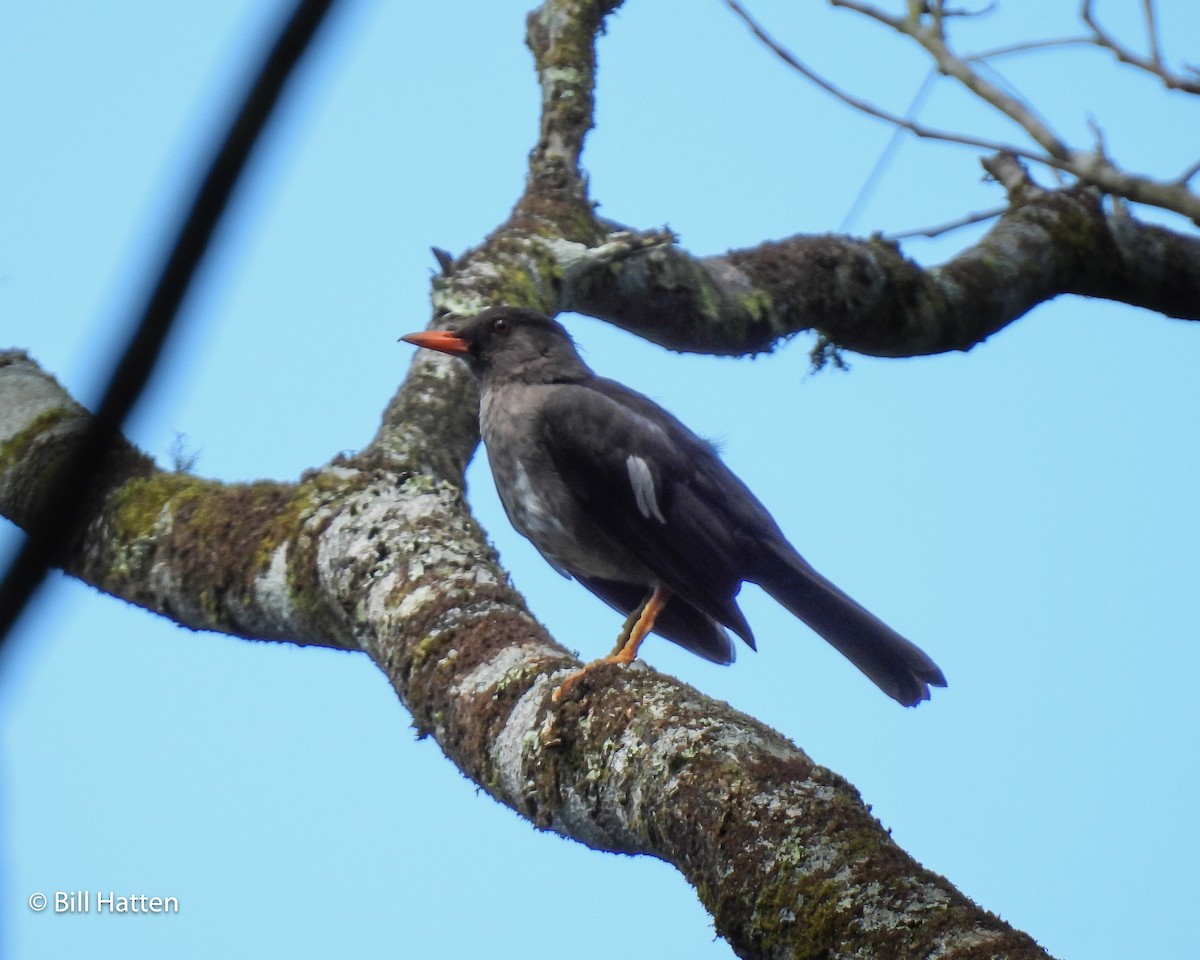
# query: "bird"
{"type": "Point", "coordinates": [618, 494]}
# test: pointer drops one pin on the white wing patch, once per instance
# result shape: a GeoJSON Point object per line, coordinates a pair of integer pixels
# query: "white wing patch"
{"type": "Point", "coordinates": [642, 481]}
{"type": "Point", "coordinates": [527, 510]}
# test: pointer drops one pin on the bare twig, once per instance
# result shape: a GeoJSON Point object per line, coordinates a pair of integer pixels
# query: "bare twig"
{"type": "Point", "coordinates": [874, 13]}
{"type": "Point", "coordinates": [1184, 178]}
{"type": "Point", "coordinates": [1153, 64]}
{"type": "Point", "coordinates": [445, 260]}
{"type": "Point", "coordinates": [865, 106]}
{"type": "Point", "coordinates": [923, 25]}
{"type": "Point", "coordinates": [1015, 108]}
{"type": "Point", "coordinates": [1152, 33]}
{"type": "Point", "coordinates": [932, 39]}
{"type": "Point", "coordinates": [1030, 46]}
{"type": "Point", "coordinates": [980, 216]}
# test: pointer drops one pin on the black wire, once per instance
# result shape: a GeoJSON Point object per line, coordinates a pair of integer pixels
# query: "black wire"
{"type": "Point", "coordinates": [64, 503]}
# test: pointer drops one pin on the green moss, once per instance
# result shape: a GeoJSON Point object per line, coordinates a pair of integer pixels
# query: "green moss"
{"type": "Point", "coordinates": [288, 515]}
{"type": "Point", "coordinates": [758, 306]}
{"type": "Point", "coordinates": [418, 484]}
{"type": "Point", "coordinates": [528, 268]}
{"type": "Point", "coordinates": [139, 503]}
{"type": "Point", "coordinates": [519, 288]}
{"type": "Point", "coordinates": [427, 646]}
{"type": "Point", "coordinates": [822, 927]}
{"type": "Point", "coordinates": [211, 529]}
{"type": "Point", "coordinates": [798, 914]}
{"type": "Point", "coordinates": [522, 677]}
{"type": "Point", "coordinates": [709, 299]}
{"type": "Point", "coordinates": [14, 449]}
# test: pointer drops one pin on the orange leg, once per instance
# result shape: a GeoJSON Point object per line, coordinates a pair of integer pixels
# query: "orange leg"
{"type": "Point", "coordinates": [638, 624]}
{"type": "Point", "coordinates": [627, 627]}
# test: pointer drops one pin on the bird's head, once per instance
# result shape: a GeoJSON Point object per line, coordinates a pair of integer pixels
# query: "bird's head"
{"type": "Point", "coordinates": [509, 344]}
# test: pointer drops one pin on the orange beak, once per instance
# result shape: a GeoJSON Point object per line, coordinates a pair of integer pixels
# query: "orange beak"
{"type": "Point", "coordinates": [443, 341]}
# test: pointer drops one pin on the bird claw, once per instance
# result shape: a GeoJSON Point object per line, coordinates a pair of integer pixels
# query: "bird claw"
{"type": "Point", "coordinates": [639, 623]}
{"type": "Point", "coordinates": [561, 690]}
{"type": "Point", "coordinates": [572, 681]}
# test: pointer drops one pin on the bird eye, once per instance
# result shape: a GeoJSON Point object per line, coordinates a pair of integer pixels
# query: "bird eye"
{"type": "Point", "coordinates": [501, 325]}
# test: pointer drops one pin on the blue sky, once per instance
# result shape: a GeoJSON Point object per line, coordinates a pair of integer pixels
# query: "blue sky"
{"type": "Point", "coordinates": [1026, 512]}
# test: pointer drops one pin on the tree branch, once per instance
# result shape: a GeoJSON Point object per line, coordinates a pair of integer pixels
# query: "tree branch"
{"type": "Point", "coordinates": [52, 528]}
{"type": "Point", "coordinates": [926, 27]}
{"type": "Point", "coordinates": [966, 220]}
{"type": "Point", "coordinates": [301, 562]}
{"type": "Point", "coordinates": [865, 106]}
{"type": "Point", "coordinates": [783, 852]}
{"type": "Point", "coordinates": [1152, 64]}
{"type": "Point", "coordinates": [554, 254]}
{"type": "Point", "coordinates": [866, 296]}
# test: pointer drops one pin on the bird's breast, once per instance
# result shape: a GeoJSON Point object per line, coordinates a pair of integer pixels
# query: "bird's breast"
{"type": "Point", "coordinates": [538, 501]}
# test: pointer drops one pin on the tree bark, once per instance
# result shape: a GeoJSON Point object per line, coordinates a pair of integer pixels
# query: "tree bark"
{"type": "Point", "coordinates": [378, 553]}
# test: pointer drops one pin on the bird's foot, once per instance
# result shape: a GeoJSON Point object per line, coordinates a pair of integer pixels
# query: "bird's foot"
{"type": "Point", "coordinates": [639, 623]}
{"type": "Point", "coordinates": [564, 688]}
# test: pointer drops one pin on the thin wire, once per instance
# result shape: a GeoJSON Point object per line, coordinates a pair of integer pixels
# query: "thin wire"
{"type": "Point", "coordinates": [889, 151]}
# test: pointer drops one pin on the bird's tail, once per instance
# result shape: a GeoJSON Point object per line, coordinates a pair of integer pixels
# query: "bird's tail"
{"type": "Point", "coordinates": [898, 667]}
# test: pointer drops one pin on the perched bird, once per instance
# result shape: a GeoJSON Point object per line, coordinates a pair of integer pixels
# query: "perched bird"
{"type": "Point", "coordinates": [617, 493]}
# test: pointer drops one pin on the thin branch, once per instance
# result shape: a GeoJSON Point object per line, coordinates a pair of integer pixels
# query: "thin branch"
{"type": "Point", "coordinates": [874, 13]}
{"type": "Point", "coordinates": [1016, 109]}
{"type": "Point", "coordinates": [865, 106]}
{"type": "Point", "coordinates": [1086, 166]}
{"type": "Point", "coordinates": [1030, 46]}
{"type": "Point", "coordinates": [1000, 80]}
{"type": "Point", "coordinates": [1152, 33]}
{"type": "Point", "coordinates": [66, 502]}
{"type": "Point", "coordinates": [980, 216]}
{"type": "Point", "coordinates": [1184, 178]}
{"type": "Point", "coordinates": [1153, 64]}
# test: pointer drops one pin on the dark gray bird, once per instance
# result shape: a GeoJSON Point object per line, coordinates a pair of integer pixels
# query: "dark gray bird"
{"type": "Point", "coordinates": [617, 493]}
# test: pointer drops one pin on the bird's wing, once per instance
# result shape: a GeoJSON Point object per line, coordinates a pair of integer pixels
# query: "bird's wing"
{"type": "Point", "coordinates": [654, 487]}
